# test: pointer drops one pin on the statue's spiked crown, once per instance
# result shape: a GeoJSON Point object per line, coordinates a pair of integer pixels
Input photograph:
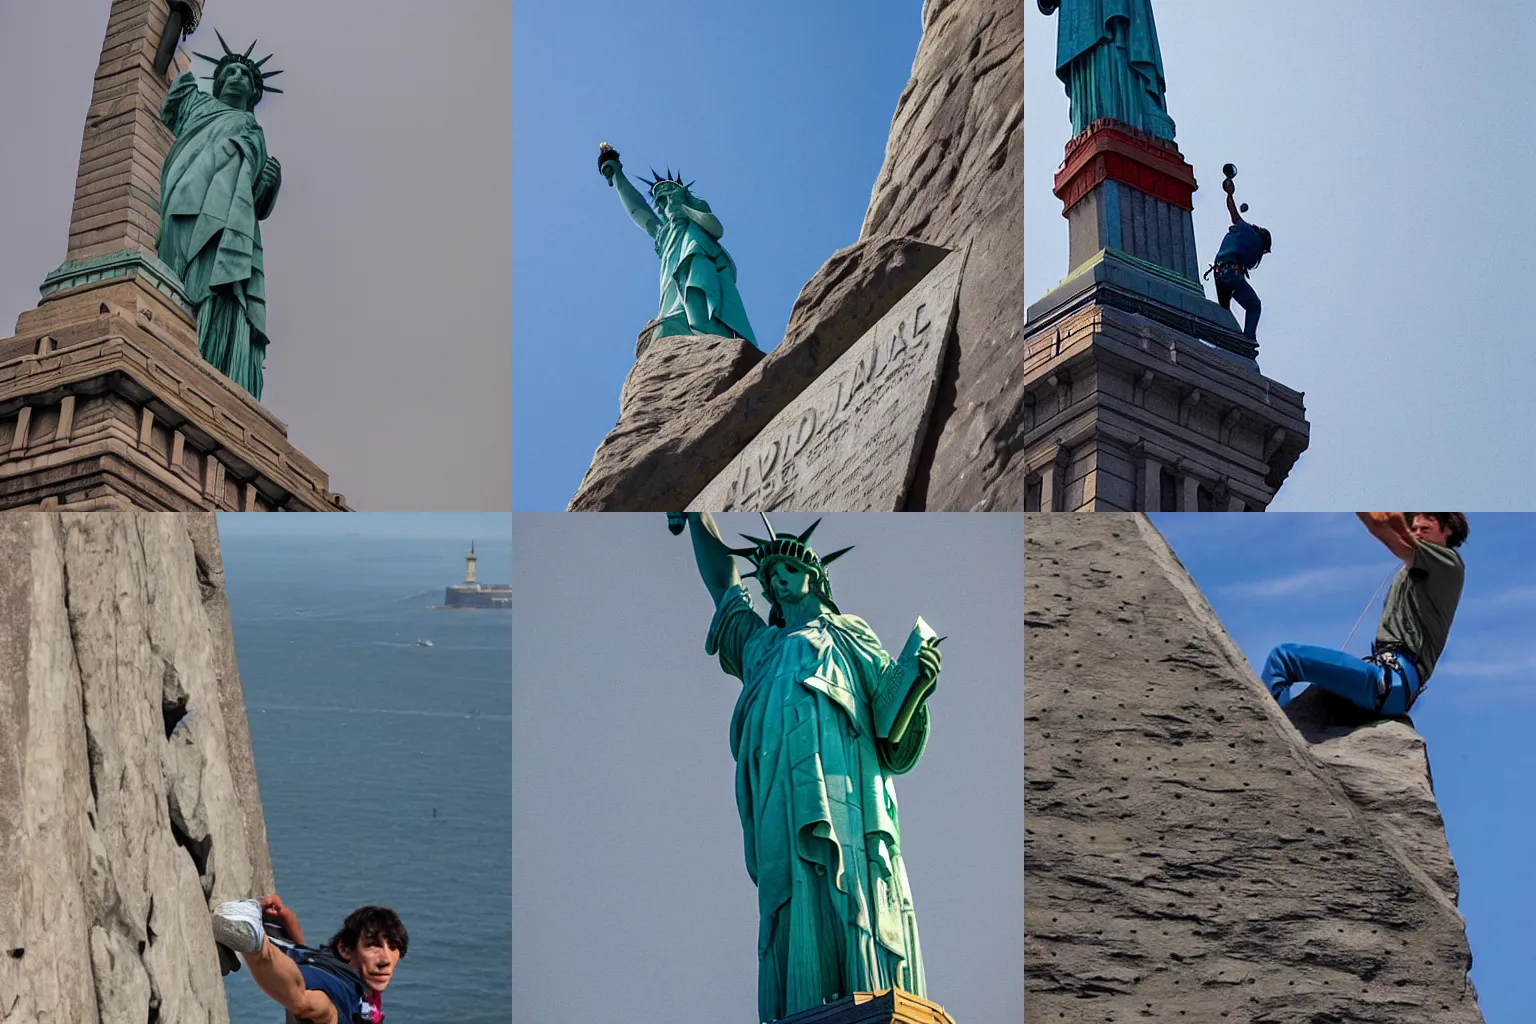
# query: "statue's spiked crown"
{"type": "Point", "coordinates": [776, 546]}
{"type": "Point", "coordinates": [253, 66]}
{"type": "Point", "coordinates": [675, 179]}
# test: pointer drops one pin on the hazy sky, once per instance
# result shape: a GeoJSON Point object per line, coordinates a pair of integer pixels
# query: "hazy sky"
{"type": "Point", "coordinates": [780, 111]}
{"type": "Point", "coordinates": [388, 256]}
{"type": "Point", "coordinates": [1307, 578]}
{"type": "Point", "coordinates": [1382, 143]}
{"type": "Point", "coordinates": [628, 882]}
{"type": "Point", "coordinates": [393, 525]}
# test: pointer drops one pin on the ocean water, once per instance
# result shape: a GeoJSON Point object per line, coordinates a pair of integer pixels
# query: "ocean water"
{"type": "Point", "coordinates": [384, 767]}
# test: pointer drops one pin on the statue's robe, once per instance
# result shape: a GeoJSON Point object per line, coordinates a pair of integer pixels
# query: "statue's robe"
{"type": "Point", "coordinates": [692, 258]}
{"type": "Point", "coordinates": [1108, 58]}
{"type": "Point", "coordinates": [212, 199]}
{"type": "Point", "coordinates": [815, 793]}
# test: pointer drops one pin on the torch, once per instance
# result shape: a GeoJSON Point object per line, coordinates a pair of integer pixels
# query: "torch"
{"type": "Point", "coordinates": [606, 153]}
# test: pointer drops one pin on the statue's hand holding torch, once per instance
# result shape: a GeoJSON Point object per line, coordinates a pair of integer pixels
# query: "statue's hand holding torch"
{"type": "Point", "coordinates": [608, 165]}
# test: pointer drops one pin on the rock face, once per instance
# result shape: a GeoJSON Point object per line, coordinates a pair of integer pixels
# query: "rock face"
{"type": "Point", "coordinates": [671, 380]}
{"type": "Point", "coordinates": [952, 178]}
{"type": "Point", "coordinates": [1191, 851]}
{"type": "Point", "coordinates": [128, 799]}
{"type": "Point", "coordinates": [954, 175]}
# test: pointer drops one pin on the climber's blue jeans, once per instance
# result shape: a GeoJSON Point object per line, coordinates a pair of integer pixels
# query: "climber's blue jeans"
{"type": "Point", "coordinates": [1352, 678]}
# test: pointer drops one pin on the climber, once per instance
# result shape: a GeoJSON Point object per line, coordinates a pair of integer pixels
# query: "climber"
{"type": "Point", "coordinates": [1415, 620]}
{"type": "Point", "coordinates": [1241, 250]}
{"type": "Point", "coordinates": [341, 982]}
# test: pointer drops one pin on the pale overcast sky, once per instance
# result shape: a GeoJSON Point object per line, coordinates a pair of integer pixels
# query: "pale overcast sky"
{"type": "Point", "coordinates": [1382, 142]}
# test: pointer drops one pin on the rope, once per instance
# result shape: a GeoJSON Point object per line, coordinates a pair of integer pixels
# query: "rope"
{"type": "Point", "coordinates": [1367, 608]}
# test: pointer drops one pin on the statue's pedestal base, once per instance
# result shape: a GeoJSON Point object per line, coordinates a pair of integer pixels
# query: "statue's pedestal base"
{"type": "Point", "coordinates": [1125, 411]}
{"type": "Point", "coordinates": [673, 379]}
{"type": "Point", "coordinates": [105, 403]}
{"type": "Point", "coordinates": [890, 1007]}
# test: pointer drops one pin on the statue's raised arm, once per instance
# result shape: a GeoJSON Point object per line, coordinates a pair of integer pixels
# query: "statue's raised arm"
{"type": "Point", "coordinates": [717, 567]}
{"type": "Point", "coordinates": [639, 210]}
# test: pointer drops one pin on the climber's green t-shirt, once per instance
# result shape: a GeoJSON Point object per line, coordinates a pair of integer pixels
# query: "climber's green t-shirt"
{"type": "Point", "coordinates": [1422, 602]}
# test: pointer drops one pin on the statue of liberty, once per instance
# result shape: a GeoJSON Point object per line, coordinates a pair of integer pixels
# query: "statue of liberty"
{"type": "Point", "coordinates": [218, 182]}
{"type": "Point", "coordinates": [825, 720]}
{"type": "Point", "coordinates": [1108, 58]}
{"type": "Point", "coordinates": [698, 277]}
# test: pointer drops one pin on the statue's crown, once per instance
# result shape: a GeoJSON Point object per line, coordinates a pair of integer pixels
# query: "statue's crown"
{"type": "Point", "coordinates": [254, 66]}
{"type": "Point", "coordinates": [786, 545]}
{"type": "Point", "coordinates": [676, 179]}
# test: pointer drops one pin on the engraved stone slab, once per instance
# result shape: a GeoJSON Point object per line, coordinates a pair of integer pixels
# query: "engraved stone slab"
{"type": "Point", "coordinates": [850, 441]}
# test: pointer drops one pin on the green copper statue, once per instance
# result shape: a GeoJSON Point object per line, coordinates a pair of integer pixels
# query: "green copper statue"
{"type": "Point", "coordinates": [1108, 58]}
{"type": "Point", "coordinates": [825, 721]}
{"type": "Point", "coordinates": [698, 277]}
{"type": "Point", "coordinates": [217, 184]}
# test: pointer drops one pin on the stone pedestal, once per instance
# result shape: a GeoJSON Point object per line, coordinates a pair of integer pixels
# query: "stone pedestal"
{"type": "Point", "coordinates": [892, 1006]}
{"type": "Point", "coordinates": [104, 399]}
{"type": "Point", "coordinates": [672, 378]}
{"type": "Point", "coordinates": [1141, 394]}
{"type": "Point", "coordinates": [105, 403]}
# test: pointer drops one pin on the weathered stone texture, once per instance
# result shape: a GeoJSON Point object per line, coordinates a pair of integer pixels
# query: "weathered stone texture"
{"type": "Point", "coordinates": [671, 380]}
{"type": "Point", "coordinates": [953, 176]}
{"type": "Point", "coordinates": [1190, 853]}
{"type": "Point", "coordinates": [128, 799]}
{"type": "Point", "coordinates": [851, 439]}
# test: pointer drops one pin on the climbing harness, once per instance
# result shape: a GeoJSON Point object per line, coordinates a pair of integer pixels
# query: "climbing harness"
{"type": "Point", "coordinates": [1217, 268]}
{"type": "Point", "coordinates": [1389, 656]}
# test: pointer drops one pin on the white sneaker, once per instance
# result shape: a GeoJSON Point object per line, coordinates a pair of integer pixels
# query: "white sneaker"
{"type": "Point", "coordinates": [237, 926]}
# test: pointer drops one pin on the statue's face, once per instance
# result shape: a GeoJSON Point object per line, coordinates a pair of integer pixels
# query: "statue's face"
{"type": "Point", "coordinates": [669, 201]}
{"type": "Point", "coordinates": [788, 582]}
{"type": "Point", "coordinates": [236, 86]}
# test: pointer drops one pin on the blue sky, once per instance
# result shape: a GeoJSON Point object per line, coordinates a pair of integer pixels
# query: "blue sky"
{"type": "Point", "coordinates": [780, 112]}
{"type": "Point", "coordinates": [1306, 578]}
{"type": "Point", "coordinates": [1381, 142]}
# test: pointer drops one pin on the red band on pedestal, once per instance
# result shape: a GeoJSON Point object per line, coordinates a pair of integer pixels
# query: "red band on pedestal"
{"type": "Point", "coordinates": [1110, 150]}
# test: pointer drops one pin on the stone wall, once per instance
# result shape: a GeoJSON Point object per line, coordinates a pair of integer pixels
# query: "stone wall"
{"type": "Point", "coordinates": [1191, 851]}
{"type": "Point", "coordinates": [128, 796]}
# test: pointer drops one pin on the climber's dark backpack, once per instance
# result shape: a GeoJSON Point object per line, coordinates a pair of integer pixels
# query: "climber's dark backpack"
{"type": "Point", "coordinates": [325, 959]}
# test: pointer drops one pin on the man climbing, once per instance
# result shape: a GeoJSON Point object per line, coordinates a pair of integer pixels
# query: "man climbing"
{"type": "Point", "coordinates": [338, 983]}
{"type": "Point", "coordinates": [1415, 620]}
{"type": "Point", "coordinates": [1241, 250]}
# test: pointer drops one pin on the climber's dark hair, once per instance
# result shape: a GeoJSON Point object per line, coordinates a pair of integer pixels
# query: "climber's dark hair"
{"type": "Point", "coordinates": [1455, 522]}
{"type": "Point", "coordinates": [366, 923]}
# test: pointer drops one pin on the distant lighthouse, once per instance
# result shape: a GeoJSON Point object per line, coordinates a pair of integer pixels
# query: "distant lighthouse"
{"type": "Point", "coordinates": [474, 594]}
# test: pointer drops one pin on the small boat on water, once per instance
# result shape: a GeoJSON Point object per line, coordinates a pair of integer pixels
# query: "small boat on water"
{"type": "Point", "coordinates": [423, 643]}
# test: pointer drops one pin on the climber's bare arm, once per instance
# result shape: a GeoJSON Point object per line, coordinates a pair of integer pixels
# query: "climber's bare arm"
{"type": "Point", "coordinates": [279, 977]}
{"type": "Point", "coordinates": [1392, 530]}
